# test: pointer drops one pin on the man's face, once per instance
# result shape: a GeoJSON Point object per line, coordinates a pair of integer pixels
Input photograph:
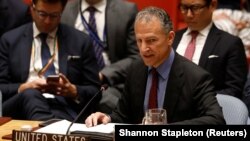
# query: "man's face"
{"type": "Point", "coordinates": [196, 13]}
{"type": "Point", "coordinates": [153, 42]}
{"type": "Point", "coordinates": [46, 15]}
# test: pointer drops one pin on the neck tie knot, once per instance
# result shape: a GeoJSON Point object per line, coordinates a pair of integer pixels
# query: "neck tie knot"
{"type": "Point", "coordinates": [194, 34]}
{"type": "Point", "coordinates": [91, 9]}
{"type": "Point", "coordinates": [43, 37]}
{"type": "Point", "coordinates": [154, 72]}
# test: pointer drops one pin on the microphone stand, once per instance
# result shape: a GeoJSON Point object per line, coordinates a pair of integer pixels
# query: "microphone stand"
{"type": "Point", "coordinates": [104, 87]}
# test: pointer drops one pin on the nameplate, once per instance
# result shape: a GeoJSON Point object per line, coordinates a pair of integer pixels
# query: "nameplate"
{"type": "Point", "coordinates": [36, 136]}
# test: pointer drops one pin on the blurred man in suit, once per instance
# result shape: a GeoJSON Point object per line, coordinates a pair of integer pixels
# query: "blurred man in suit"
{"type": "Point", "coordinates": [218, 52]}
{"type": "Point", "coordinates": [232, 17]}
{"type": "Point", "coordinates": [13, 13]}
{"type": "Point", "coordinates": [185, 90]}
{"type": "Point", "coordinates": [115, 31]}
{"type": "Point", "coordinates": [44, 47]}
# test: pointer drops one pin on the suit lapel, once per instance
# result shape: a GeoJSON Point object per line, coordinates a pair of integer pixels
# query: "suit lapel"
{"type": "Point", "coordinates": [110, 22]}
{"type": "Point", "coordinates": [210, 45]}
{"type": "Point", "coordinates": [141, 74]}
{"type": "Point", "coordinates": [174, 86]}
{"type": "Point", "coordinates": [177, 38]}
{"type": "Point", "coordinates": [26, 47]}
{"type": "Point", "coordinates": [62, 50]}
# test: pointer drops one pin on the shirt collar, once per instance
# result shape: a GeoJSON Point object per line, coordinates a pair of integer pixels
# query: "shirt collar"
{"type": "Point", "coordinates": [203, 32]}
{"type": "Point", "coordinates": [36, 32]}
{"type": "Point", "coordinates": [99, 6]}
{"type": "Point", "coordinates": [164, 69]}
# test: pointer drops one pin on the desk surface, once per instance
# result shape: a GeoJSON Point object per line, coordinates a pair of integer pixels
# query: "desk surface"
{"type": "Point", "coordinates": [7, 128]}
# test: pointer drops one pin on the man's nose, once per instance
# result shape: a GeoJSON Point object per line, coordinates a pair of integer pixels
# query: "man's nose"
{"type": "Point", "coordinates": [190, 13]}
{"type": "Point", "coordinates": [48, 19]}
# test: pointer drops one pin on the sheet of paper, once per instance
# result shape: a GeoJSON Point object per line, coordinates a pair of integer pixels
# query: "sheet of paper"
{"type": "Point", "coordinates": [61, 127]}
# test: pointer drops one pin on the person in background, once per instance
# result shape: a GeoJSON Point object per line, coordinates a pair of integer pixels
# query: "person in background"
{"type": "Point", "coordinates": [233, 17]}
{"type": "Point", "coordinates": [230, 16]}
{"type": "Point", "coordinates": [185, 90]}
{"type": "Point", "coordinates": [218, 52]}
{"type": "Point", "coordinates": [13, 13]}
{"type": "Point", "coordinates": [30, 53]}
{"type": "Point", "coordinates": [114, 20]}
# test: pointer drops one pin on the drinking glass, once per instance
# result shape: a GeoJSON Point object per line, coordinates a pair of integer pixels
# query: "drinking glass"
{"type": "Point", "coordinates": [156, 116]}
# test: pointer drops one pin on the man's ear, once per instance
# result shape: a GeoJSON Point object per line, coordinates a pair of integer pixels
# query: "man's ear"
{"type": "Point", "coordinates": [214, 4]}
{"type": "Point", "coordinates": [171, 36]}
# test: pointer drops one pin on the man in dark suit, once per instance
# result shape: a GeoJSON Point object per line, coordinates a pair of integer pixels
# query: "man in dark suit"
{"type": "Point", "coordinates": [115, 29]}
{"type": "Point", "coordinates": [24, 68]}
{"type": "Point", "coordinates": [13, 13]}
{"type": "Point", "coordinates": [216, 51]}
{"type": "Point", "coordinates": [185, 90]}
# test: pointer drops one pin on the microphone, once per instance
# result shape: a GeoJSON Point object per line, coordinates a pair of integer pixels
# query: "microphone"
{"type": "Point", "coordinates": [103, 87]}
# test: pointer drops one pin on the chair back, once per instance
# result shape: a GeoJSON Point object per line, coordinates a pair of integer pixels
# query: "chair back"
{"type": "Point", "coordinates": [234, 110]}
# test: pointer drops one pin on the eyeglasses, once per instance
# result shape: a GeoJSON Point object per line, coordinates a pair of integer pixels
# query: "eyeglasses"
{"type": "Point", "coordinates": [43, 15]}
{"type": "Point", "coordinates": [195, 9]}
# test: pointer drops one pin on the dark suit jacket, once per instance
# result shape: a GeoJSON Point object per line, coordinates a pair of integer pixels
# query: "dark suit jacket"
{"type": "Point", "coordinates": [15, 54]}
{"type": "Point", "coordinates": [121, 43]}
{"type": "Point", "coordinates": [230, 4]}
{"type": "Point", "coordinates": [13, 13]}
{"type": "Point", "coordinates": [229, 67]}
{"type": "Point", "coordinates": [190, 95]}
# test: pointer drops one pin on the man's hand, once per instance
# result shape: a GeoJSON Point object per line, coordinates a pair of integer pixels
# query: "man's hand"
{"type": "Point", "coordinates": [96, 118]}
{"type": "Point", "coordinates": [39, 84]}
{"type": "Point", "coordinates": [101, 77]}
{"type": "Point", "coordinates": [63, 87]}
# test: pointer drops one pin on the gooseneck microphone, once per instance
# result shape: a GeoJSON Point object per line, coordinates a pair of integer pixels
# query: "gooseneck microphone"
{"type": "Point", "coordinates": [103, 87]}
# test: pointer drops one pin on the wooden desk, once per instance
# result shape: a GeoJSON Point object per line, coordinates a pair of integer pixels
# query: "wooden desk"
{"type": "Point", "coordinates": [7, 128]}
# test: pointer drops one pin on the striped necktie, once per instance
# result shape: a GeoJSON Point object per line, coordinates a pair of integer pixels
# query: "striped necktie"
{"type": "Point", "coordinates": [98, 48]}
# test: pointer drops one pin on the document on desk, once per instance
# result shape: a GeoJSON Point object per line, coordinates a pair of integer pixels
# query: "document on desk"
{"type": "Point", "coordinates": [61, 127]}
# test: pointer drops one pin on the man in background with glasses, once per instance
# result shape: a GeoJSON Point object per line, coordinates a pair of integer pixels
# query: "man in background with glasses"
{"type": "Point", "coordinates": [216, 51]}
{"type": "Point", "coordinates": [32, 52]}
{"type": "Point", "coordinates": [114, 21]}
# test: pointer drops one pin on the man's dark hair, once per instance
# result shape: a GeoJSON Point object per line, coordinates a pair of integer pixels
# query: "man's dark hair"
{"type": "Point", "coordinates": [63, 2]}
{"type": "Point", "coordinates": [208, 2]}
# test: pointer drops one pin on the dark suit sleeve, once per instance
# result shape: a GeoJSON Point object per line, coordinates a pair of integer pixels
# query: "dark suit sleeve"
{"type": "Point", "coordinates": [10, 56]}
{"type": "Point", "coordinates": [235, 69]}
{"type": "Point", "coordinates": [130, 107]}
{"type": "Point", "coordinates": [121, 41]}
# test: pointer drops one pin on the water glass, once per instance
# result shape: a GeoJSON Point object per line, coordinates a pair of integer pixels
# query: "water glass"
{"type": "Point", "coordinates": [156, 116]}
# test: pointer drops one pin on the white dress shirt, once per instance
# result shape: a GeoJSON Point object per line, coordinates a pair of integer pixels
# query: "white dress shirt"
{"type": "Point", "coordinates": [199, 45]}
